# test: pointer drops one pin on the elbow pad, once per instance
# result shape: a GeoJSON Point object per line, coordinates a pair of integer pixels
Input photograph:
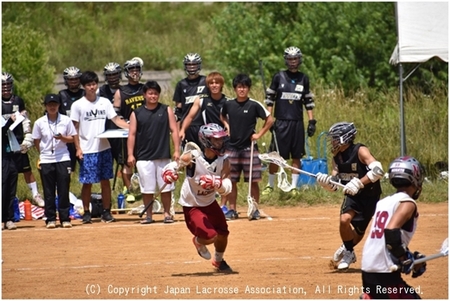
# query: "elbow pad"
{"type": "Point", "coordinates": [270, 97]}
{"type": "Point", "coordinates": [393, 241]}
{"type": "Point", "coordinates": [309, 101]}
{"type": "Point", "coordinates": [376, 171]}
{"type": "Point", "coordinates": [225, 188]}
{"type": "Point", "coordinates": [178, 113]}
{"type": "Point", "coordinates": [26, 125]}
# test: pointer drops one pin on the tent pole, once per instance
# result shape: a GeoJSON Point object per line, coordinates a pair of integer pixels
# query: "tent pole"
{"type": "Point", "coordinates": [402, 116]}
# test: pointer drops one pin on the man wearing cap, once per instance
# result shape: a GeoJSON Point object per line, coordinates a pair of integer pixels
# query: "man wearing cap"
{"type": "Point", "coordinates": [51, 133]}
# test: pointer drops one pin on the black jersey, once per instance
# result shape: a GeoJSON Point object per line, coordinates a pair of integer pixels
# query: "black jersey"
{"type": "Point", "coordinates": [185, 93]}
{"type": "Point", "coordinates": [132, 98]}
{"type": "Point", "coordinates": [68, 98]}
{"type": "Point", "coordinates": [292, 93]}
{"type": "Point", "coordinates": [210, 109]}
{"type": "Point", "coordinates": [11, 106]}
{"type": "Point", "coordinates": [153, 133]}
{"type": "Point", "coordinates": [242, 118]}
{"type": "Point", "coordinates": [106, 92]}
{"type": "Point", "coordinates": [350, 167]}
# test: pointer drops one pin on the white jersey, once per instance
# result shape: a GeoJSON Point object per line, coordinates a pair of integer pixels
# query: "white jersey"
{"type": "Point", "coordinates": [192, 194]}
{"type": "Point", "coordinates": [91, 117]}
{"type": "Point", "coordinates": [375, 257]}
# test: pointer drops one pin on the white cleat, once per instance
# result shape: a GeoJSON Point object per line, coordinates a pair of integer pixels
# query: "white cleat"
{"type": "Point", "coordinates": [339, 253]}
{"type": "Point", "coordinates": [348, 258]}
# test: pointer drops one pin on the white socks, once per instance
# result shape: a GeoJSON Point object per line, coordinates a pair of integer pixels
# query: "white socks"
{"type": "Point", "coordinates": [218, 257]}
{"type": "Point", "coordinates": [271, 180]}
{"type": "Point", "coordinates": [295, 179]}
{"type": "Point", "coordinates": [33, 188]}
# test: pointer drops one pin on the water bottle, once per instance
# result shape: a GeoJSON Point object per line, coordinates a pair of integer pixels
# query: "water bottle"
{"type": "Point", "coordinates": [16, 210]}
{"type": "Point", "coordinates": [27, 209]}
{"type": "Point", "coordinates": [121, 201]}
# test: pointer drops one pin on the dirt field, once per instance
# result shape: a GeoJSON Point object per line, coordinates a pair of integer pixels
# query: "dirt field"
{"type": "Point", "coordinates": [283, 258]}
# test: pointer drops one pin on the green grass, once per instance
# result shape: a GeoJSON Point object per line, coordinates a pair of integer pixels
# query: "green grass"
{"type": "Point", "coordinates": [377, 123]}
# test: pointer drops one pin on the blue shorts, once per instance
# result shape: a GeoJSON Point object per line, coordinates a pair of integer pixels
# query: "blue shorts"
{"type": "Point", "coordinates": [96, 167]}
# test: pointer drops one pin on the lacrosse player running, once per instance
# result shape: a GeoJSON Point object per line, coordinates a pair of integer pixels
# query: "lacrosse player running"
{"type": "Point", "coordinates": [207, 174]}
{"type": "Point", "coordinates": [391, 231]}
{"type": "Point", "coordinates": [240, 116]}
{"type": "Point", "coordinates": [151, 126]}
{"type": "Point", "coordinates": [360, 172]}
{"type": "Point", "coordinates": [287, 94]}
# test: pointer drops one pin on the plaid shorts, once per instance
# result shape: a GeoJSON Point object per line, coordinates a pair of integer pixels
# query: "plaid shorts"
{"type": "Point", "coordinates": [240, 162]}
{"type": "Point", "coordinates": [96, 167]}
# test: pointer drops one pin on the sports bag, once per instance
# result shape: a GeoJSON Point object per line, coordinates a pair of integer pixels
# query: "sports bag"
{"type": "Point", "coordinates": [311, 164]}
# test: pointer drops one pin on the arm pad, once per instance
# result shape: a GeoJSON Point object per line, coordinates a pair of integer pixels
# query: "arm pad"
{"type": "Point", "coordinates": [178, 113]}
{"type": "Point", "coordinates": [225, 188]}
{"type": "Point", "coordinates": [270, 97]}
{"type": "Point", "coordinates": [393, 240]}
{"type": "Point", "coordinates": [376, 171]}
{"type": "Point", "coordinates": [26, 125]}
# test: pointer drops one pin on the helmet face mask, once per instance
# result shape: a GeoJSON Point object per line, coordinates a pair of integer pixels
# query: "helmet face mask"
{"type": "Point", "coordinates": [113, 74]}
{"type": "Point", "coordinates": [213, 136]}
{"type": "Point", "coordinates": [72, 78]}
{"type": "Point", "coordinates": [341, 134]}
{"type": "Point", "coordinates": [192, 63]}
{"type": "Point", "coordinates": [293, 57]}
{"type": "Point", "coordinates": [133, 69]}
{"type": "Point", "coordinates": [7, 84]}
{"type": "Point", "coordinates": [405, 171]}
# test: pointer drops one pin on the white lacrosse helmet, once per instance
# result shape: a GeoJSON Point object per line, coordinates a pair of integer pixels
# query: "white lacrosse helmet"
{"type": "Point", "coordinates": [293, 53]}
{"type": "Point", "coordinates": [405, 171]}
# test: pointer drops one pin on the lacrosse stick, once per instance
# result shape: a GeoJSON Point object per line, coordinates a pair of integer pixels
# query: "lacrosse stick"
{"type": "Point", "coordinates": [252, 205]}
{"type": "Point", "coordinates": [442, 253]}
{"type": "Point", "coordinates": [283, 183]}
{"type": "Point", "coordinates": [135, 188]}
{"type": "Point", "coordinates": [275, 158]}
{"type": "Point", "coordinates": [194, 151]}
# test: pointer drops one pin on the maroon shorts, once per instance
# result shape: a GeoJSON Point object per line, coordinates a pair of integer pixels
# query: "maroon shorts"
{"type": "Point", "coordinates": [206, 222]}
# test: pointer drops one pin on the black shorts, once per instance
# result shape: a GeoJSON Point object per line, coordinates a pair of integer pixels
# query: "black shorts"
{"type": "Point", "coordinates": [387, 286]}
{"type": "Point", "coordinates": [364, 208]}
{"type": "Point", "coordinates": [22, 162]}
{"type": "Point", "coordinates": [121, 151]}
{"type": "Point", "coordinates": [290, 136]}
{"type": "Point", "coordinates": [191, 134]}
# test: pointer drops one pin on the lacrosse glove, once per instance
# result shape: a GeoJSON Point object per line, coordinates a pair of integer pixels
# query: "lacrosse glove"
{"type": "Point", "coordinates": [209, 182]}
{"type": "Point", "coordinates": [407, 265]}
{"type": "Point", "coordinates": [169, 173]}
{"type": "Point", "coordinates": [420, 268]}
{"type": "Point", "coordinates": [311, 127]}
{"type": "Point", "coordinates": [353, 186]}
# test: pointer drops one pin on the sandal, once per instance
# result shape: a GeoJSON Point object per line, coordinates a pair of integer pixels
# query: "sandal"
{"type": "Point", "coordinates": [168, 220]}
{"type": "Point", "coordinates": [147, 220]}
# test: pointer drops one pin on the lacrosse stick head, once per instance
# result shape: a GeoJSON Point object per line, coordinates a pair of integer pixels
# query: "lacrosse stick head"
{"type": "Point", "coordinates": [191, 152]}
{"type": "Point", "coordinates": [272, 157]}
{"type": "Point", "coordinates": [135, 187]}
{"type": "Point", "coordinates": [283, 183]}
{"type": "Point", "coordinates": [251, 207]}
{"type": "Point", "coordinates": [444, 247]}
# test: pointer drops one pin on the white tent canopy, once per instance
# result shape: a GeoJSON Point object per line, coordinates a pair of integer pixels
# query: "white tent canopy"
{"type": "Point", "coordinates": [422, 29]}
{"type": "Point", "coordinates": [422, 32]}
